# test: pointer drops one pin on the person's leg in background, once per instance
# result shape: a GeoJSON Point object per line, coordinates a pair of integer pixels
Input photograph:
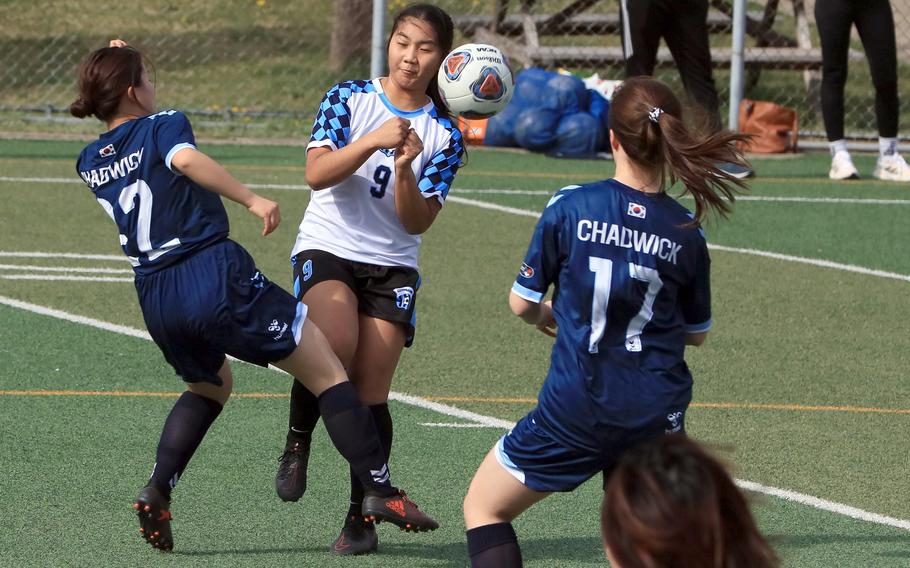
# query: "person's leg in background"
{"type": "Point", "coordinates": [875, 24]}
{"type": "Point", "coordinates": [834, 19]}
{"type": "Point", "coordinates": [687, 39]}
{"type": "Point", "coordinates": [641, 33]}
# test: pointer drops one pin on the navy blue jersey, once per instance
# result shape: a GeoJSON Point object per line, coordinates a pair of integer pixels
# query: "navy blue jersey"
{"type": "Point", "coordinates": [630, 272]}
{"type": "Point", "coordinates": [161, 215]}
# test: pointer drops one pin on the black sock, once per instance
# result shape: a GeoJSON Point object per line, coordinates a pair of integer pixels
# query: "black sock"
{"type": "Point", "coordinates": [494, 546]}
{"type": "Point", "coordinates": [353, 431]}
{"type": "Point", "coordinates": [184, 429]}
{"type": "Point", "coordinates": [383, 420]}
{"type": "Point", "coordinates": [304, 413]}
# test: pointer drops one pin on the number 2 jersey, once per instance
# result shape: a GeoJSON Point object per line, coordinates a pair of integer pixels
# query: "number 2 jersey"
{"type": "Point", "coordinates": [630, 272]}
{"type": "Point", "coordinates": [161, 215]}
{"type": "Point", "coordinates": [356, 219]}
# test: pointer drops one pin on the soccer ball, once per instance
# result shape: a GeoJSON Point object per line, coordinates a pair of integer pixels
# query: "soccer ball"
{"type": "Point", "coordinates": [475, 80]}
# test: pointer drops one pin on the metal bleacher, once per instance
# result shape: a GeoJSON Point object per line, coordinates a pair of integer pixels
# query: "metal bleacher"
{"type": "Point", "coordinates": [518, 33]}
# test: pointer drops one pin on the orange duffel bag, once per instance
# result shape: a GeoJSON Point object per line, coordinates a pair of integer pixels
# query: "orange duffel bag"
{"type": "Point", "coordinates": [774, 127]}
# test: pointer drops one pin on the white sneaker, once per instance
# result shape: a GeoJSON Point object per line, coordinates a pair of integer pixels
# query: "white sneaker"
{"type": "Point", "coordinates": [892, 168]}
{"type": "Point", "coordinates": [842, 167]}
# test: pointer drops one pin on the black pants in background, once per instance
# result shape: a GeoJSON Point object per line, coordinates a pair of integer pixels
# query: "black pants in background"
{"type": "Point", "coordinates": [875, 24]}
{"type": "Point", "coordinates": [683, 25]}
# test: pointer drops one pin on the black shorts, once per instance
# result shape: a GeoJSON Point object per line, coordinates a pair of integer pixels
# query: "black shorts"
{"type": "Point", "coordinates": [383, 292]}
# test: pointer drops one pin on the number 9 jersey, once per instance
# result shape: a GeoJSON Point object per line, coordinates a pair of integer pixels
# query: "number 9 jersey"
{"type": "Point", "coordinates": [356, 219]}
{"type": "Point", "coordinates": [631, 277]}
{"type": "Point", "coordinates": [161, 215]}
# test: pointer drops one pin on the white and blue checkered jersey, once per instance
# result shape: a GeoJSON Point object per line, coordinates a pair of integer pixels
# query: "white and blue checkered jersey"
{"type": "Point", "coordinates": [630, 273]}
{"type": "Point", "coordinates": [161, 215]}
{"type": "Point", "coordinates": [356, 219]}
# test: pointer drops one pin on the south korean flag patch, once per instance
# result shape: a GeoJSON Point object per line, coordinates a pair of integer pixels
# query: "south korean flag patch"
{"type": "Point", "coordinates": [636, 210]}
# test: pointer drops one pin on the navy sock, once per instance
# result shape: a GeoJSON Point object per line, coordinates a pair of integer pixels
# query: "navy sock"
{"type": "Point", "coordinates": [184, 429]}
{"type": "Point", "coordinates": [383, 420]}
{"type": "Point", "coordinates": [304, 413]}
{"type": "Point", "coordinates": [494, 546]}
{"type": "Point", "coordinates": [353, 431]}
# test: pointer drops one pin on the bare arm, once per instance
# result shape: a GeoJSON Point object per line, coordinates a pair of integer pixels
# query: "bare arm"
{"type": "Point", "coordinates": [539, 315]}
{"type": "Point", "coordinates": [696, 339]}
{"type": "Point", "coordinates": [212, 176]}
{"type": "Point", "coordinates": [326, 167]}
{"type": "Point", "coordinates": [415, 211]}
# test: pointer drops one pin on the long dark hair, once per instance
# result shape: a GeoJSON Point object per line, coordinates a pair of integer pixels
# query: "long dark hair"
{"type": "Point", "coordinates": [442, 25]}
{"type": "Point", "coordinates": [103, 78]}
{"type": "Point", "coordinates": [670, 504]}
{"type": "Point", "coordinates": [647, 120]}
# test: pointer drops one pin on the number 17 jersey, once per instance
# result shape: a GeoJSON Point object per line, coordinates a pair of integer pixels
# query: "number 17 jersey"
{"type": "Point", "coordinates": [631, 278]}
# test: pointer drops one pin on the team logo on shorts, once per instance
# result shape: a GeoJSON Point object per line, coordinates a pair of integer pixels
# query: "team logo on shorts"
{"type": "Point", "coordinates": [280, 328]}
{"type": "Point", "coordinates": [489, 86]}
{"type": "Point", "coordinates": [674, 422]}
{"type": "Point", "coordinates": [107, 151]}
{"type": "Point", "coordinates": [526, 271]}
{"type": "Point", "coordinates": [257, 280]}
{"type": "Point", "coordinates": [636, 210]}
{"type": "Point", "coordinates": [456, 63]}
{"type": "Point", "coordinates": [307, 270]}
{"type": "Point", "coordinates": [403, 297]}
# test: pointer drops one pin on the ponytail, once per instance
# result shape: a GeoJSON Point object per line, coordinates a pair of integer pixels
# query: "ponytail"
{"type": "Point", "coordinates": [646, 118]}
{"type": "Point", "coordinates": [81, 108]}
{"type": "Point", "coordinates": [694, 160]}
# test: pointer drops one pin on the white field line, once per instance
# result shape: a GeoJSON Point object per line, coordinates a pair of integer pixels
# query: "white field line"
{"type": "Point", "coordinates": [540, 192]}
{"type": "Point", "coordinates": [824, 505]}
{"type": "Point", "coordinates": [73, 255]}
{"type": "Point", "coordinates": [52, 278]}
{"type": "Point", "coordinates": [766, 254]}
{"type": "Point", "coordinates": [815, 262]}
{"type": "Point", "coordinates": [480, 420]}
{"type": "Point", "coordinates": [36, 268]}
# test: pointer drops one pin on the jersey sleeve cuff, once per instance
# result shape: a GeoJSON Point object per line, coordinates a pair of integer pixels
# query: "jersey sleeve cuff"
{"type": "Point", "coordinates": [699, 327]}
{"type": "Point", "coordinates": [174, 150]}
{"type": "Point", "coordinates": [321, 144]}
{"type": "Point", "coordinates": [437, 194]}
{"type": "Point", "coordinates": [527, 293]}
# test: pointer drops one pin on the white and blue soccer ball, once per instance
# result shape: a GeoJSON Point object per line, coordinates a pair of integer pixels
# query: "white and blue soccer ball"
{"type": "Point", "coordinates": [475, 80]}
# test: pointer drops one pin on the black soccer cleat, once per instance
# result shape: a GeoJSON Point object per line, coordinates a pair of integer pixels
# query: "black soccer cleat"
{"type": "Point", "coordinates": [399, 510]}
{"type": "Point", "coordinates": [290, 481]}
{"type": "Point", "coordinates": [358, 536]}
{"type": "Point", "coordinates": [155, 517]}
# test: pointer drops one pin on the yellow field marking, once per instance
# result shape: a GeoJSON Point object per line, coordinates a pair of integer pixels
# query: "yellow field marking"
{"type": "Point", "coordinates": [478, 399]}
{"type": "Point", "coordinates": [801, 407]}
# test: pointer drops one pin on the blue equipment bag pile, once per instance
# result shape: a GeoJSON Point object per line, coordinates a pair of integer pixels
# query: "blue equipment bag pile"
{"type": "Point", "coordinates": [552, 113]}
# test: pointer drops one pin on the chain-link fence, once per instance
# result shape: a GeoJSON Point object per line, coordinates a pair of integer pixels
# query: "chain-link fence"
{"type": "Point", "coordinates": [242, 67]}
{"type": "Point", "coordinates": [259, 67]}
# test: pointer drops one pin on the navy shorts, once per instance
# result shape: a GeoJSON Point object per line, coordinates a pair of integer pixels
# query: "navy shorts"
{"type": "Point", "coordinates": [214, 303]}
{"type": "Point", "coordinates": [383, 292]}
{"type": "Point", "coordinates": [538, 460]}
